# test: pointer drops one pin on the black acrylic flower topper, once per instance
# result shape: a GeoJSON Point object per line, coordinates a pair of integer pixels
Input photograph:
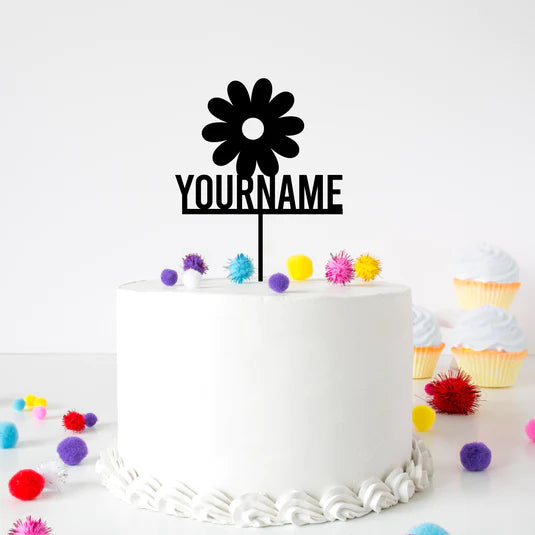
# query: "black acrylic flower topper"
{"type": "Point", "coordinates": [276, 128]}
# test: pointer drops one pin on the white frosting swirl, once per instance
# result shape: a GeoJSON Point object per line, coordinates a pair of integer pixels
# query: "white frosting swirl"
{"type": "Point", "coordinates": [254, 509]}
{"type": "Point", "coordinates": [489, 327]}
{"type": "Point", "coordinates": [259, 510]}
{"type": "Point", "coordinates": [486, 263]}
{"type": "Point", "coordinates": [426, 332]}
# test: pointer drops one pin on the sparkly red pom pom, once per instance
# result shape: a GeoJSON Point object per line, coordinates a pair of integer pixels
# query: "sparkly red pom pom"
{"type": "Point", "coordinates": [74, 421]}
{"type": "Point", "coordinates": [26, 484]}
{"type": "Point", "coordinates": [453, 393]}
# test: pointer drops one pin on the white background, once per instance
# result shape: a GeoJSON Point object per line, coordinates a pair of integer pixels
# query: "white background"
{"type": "Point", "coordinates": [426, 108]}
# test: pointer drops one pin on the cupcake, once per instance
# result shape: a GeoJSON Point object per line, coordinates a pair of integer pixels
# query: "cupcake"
{"type": "Point", "coordinates": [486, 275]}
{"type": "Point", "coordinates": [427, 343]}
{"type": "Point", "coordinates": [490, 346]}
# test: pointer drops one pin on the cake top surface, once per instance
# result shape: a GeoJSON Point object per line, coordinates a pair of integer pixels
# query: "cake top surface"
{"type": "Point", "coordinates": [297, 289]}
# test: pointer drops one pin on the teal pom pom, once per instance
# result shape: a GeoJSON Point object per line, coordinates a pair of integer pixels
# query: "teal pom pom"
{"type": "Point", "coordinates": [240, 269]}
{"type": "Point", "coordinates": [428, 529]}
{"type": "Point", "coordinates": [8, 435]}
{"type": "Point", "coordinates": [19, 404]}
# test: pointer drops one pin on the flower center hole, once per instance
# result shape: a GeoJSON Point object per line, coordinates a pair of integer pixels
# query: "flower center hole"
{"type": "Point", "coordinates": [252, 128]}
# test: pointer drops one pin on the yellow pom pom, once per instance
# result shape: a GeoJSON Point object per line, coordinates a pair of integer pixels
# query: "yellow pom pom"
{"type": "Point", "coordinates": [30, 401]}
{"type": "Point", "coordinates": [40, 402]}
{"type": "Point", "coordinates": [299, 267]}
{"type": "Point", "coordinates": [367, 267]}
{"type": "Point", "coordinates": [423, 417]}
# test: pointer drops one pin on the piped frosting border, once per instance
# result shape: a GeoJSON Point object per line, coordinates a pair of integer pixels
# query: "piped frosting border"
{"type": "Point", "coordinates": [260, 510]}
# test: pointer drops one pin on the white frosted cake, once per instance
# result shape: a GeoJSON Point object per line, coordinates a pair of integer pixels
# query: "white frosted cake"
{"type": "Point", "coordinates": [241, 406]}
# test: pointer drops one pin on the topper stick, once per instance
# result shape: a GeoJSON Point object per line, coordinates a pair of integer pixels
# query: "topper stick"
{"type": "Point", "coordinates": [260, 247]}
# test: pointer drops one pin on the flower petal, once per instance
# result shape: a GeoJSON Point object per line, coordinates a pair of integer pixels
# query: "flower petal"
{"type": "Point", "coordinates": [238, 94]}
{"type": "Point", "coordinates": [267, 161]}
{"type": "Point", "coordinates": [246, 164]}
{"type": "Point", "coordinates": [290, 126]}
{"type": "Point", "coordinates": [281, 103]}
{"type": "Point", "coordinates": [261, 92]}
{"type": "Point", "coordinates": [225, 153]}
{"type": "Point", "coordinates": [216, 132]}
{"type": "Point", "coordinates": [285, 146]}
{"type": "Point", "coordinates": [221, 108]}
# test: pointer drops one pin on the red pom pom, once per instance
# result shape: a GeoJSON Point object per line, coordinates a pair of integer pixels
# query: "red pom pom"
{"type": "Point", "coordinates": [26, 484]}
{"type": "Point", "coordinates": [74, 421]}
{"type": "Point", "coordinates": [453, 393]}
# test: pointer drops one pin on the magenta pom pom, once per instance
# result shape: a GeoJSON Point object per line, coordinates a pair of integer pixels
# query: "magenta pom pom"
{"type": "Point", "coordinates": [30, 526]}
{"type": "Point", "coordinates": [530, 429]}
{"type": "Point", "coordinates": [169, 277]}
{"type": "Point", "coordinates": [90, 419]}
{"type": "Point", "coordinates": [196, 262]}
{"type": "Point", "coordinates": [39, 412]}
{"type": "Point", "coordinates": [339, 269]}
{"type": "Point", "coordinates": [72, 450]}
{"type": "Point", "coordinates": [429, 389]}
{"type": "Point", "coordinates": [475, 456]}
{"type": "Point", "coordinates": [279, 282]}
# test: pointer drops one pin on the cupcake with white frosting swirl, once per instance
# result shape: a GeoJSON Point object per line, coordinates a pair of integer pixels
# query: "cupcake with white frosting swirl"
{"type": "Point", "coordinates": [427, 343]}
{"type": "Point", "coordinates": [490, 346]}
{"type": "Point", "coordinates": [486, 275]}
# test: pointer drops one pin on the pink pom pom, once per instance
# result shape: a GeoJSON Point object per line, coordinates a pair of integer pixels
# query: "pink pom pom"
{"type": "Point", "coordinates": [530, 429]}
{"type": "Point", "coordinates": [339, 269]}
{"type": "Point", "coordinates": [39, 412]}
{"type": "Point", "coordinates": [30, 526]}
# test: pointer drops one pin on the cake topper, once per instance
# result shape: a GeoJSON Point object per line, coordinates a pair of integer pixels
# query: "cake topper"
{"type": "Point", "coordinates": [253, 129]}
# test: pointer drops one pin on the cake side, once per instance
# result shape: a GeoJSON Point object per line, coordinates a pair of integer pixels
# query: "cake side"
{"type": "Point", "coordinates": [248, 392]}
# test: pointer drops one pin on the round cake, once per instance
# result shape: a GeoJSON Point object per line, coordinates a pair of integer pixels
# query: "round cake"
{"type": "Point", "coordinates": [241, 406]}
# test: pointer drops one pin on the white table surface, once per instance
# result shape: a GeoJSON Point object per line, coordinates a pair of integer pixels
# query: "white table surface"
{"type": "Point", "coordinates": [497, 501]}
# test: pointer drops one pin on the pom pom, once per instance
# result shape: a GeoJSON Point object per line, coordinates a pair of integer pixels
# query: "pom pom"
{"type": "Point", "coordinates": [428, 529]}
{"type": "Point", "coordinates": [74, 421]}
{"type": "Point", "coordinates": [26, 484]}
{"type": "Point", "coordinates": [279, 282]}
{"type": "Point", "coordinates": [169, 277]}
{"type": "Point", "coordinates": [339, 269]}
{"type": "Point", "coordinates": [39, 412]}
{"type": "Point", "coordinates": [30, 526]}
{"type": "Point", "coordinates": [475, 456]}
{"type": "Point", "coordinates": [40, 402]}
{"type": "Point", "coordinates": [191, 278]}
{"type": "Point", "coordinates": [299, 267]}
{"type": "Point", "coordinates": [530, 430]}
{"type": "Point", "coordinates": [72, 450]}
{"type": "Point", "coordinates": [30, 401]}
{"type": "Point", "coordinates": [8, 435]}
{"type": "Point", "coordinates": [240, 269]}
{"type": "Point", "coordinates": [423, 417]}
{"type": "Point", "coordinates": [55, 475]}
{"type": "Point", "coordinates": [196, 262]}
{"type": "Point", "coordinates": [453, 392]}
{"type": "Point", "coordinates": [90, 419]}
{"type": "Point", "coordinates": [19, 404]}
{"type": "Point", "coordinates": [367, 267]}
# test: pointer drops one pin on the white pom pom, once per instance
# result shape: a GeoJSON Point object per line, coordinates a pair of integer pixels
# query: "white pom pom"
{"type": "Point", "coordinates": [55, 474]}
{"type": "Point", "coordinates": [191, 278]}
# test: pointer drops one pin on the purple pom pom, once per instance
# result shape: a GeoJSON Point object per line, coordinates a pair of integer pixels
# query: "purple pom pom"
{"type": "Point", "coordinates": [279, 282]}
{"type": "Point", "coordinates": [72, 450]}
{"type": "Point", "coordinates": [196, 262]}
{"type": "Point", "coordinates": [169, 277]}
{"type": "Point", "coordinates": [475, 456]}
{"type": "Point", "coordinates": [90, 419]}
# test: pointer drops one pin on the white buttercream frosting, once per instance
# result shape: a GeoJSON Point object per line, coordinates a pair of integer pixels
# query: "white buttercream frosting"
{"type": "Point", "coordinates": [486, 263]}
{"type": "Point", "coordinates": [260, 510]}
{"type": "Point", "coordinates": [425, 329]}
{"type": "Point", "coordinates": [489, 327]}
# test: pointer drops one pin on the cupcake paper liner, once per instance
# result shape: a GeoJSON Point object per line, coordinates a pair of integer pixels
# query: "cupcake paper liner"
{"type": "Point", "coordinates": [424, 361]}
{"type": "Point", "coordinates": [474, 294]}
{"type": "Point", "coordinates": [490, 369]}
